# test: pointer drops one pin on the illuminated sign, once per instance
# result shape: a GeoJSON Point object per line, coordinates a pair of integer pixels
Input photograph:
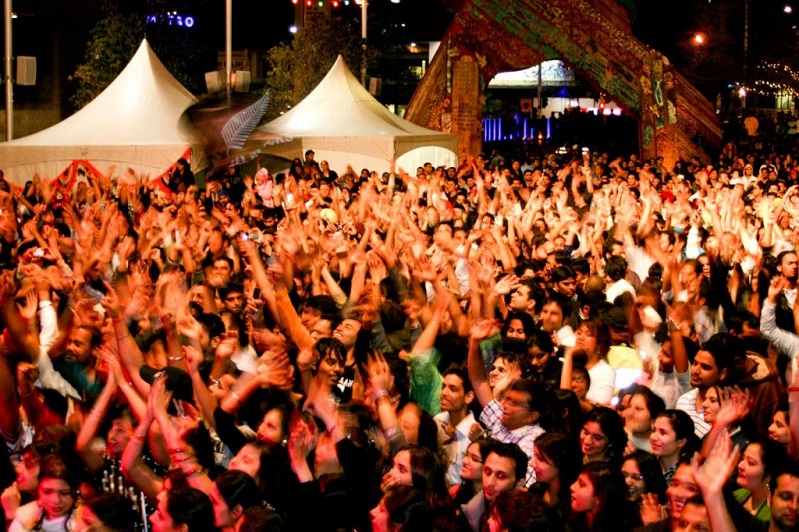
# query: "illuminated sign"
{"type": "Point", "coordinates": [171, 19]}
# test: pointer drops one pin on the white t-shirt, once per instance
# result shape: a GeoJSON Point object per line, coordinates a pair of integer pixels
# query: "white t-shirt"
{"type": "Point", "coordinates": [603, 383]}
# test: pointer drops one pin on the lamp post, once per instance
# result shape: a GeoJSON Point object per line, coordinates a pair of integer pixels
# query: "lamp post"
{"type": "Point", "coordinates": [364, 8]}
{"type": "Point", "coordinates": [9, 81]}
{"type": "Point", "coordinates": [228, 45]}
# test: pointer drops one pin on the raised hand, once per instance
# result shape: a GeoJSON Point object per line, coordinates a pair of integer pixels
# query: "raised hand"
{"type": "Point", "coordinates": [379, 373]}
{"type": "Point", "coordinates": [713, 474]}
{"type": "Point", "coordinates": [483, 329]}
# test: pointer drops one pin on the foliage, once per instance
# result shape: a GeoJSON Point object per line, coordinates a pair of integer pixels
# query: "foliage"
{"type": "Point", "coordinates": [297, 68]}
{"type": "Point", "coordinates": [117, 36]}
{"type": "Point", "coordinates": [113, 42]}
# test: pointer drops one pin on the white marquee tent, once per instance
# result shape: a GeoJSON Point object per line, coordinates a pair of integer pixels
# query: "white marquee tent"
{"type": "Point", "coordinates": [137, 122]}
{"type": "Point", "coordinates": [343, 124]}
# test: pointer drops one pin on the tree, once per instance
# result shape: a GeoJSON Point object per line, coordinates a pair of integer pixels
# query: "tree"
{"type": "Point", "coordinates": [297, 68]}
{"type": "Point", "coordinates": [117, 36]}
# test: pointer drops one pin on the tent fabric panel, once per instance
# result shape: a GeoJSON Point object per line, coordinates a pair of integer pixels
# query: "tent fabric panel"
{"type": "Point", "coordinates": [48, 163]}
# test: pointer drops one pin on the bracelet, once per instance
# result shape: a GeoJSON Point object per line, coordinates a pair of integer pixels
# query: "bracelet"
{"type": "Point", "coordinates": [793, 389]}
{"type": "Point", "coordinates": [177, 359]}
{"type": "Point", "coordinates": [235, 396]}
{"type": "Point", "coordinates": [24, 395]}
{"type": "Point", "coordinates": [139, 437]}
{"type": "Point", "coordinates": [213, 380]}
{"type": "Point", "coordinates": [197, 471]}
{"type": "Point", "coordinates": [378, 394]}
{"type": "Point", "coordinates": [124, 336]}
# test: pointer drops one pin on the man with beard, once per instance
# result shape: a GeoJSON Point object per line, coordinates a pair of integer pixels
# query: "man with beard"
{"type": "Point", "coordinates": [79, 361]}
{"type": "Point", "coordinates": [455, 420]}
{"type": "Point", "coordinates": [788, 267]}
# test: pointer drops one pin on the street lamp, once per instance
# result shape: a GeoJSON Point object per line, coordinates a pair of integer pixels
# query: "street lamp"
{"type": "Point", "coordinates": [9, 81]}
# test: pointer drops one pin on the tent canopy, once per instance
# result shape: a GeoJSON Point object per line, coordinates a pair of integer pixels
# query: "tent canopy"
{"type": "Point", "coordinates": [343, 124]}
{"type": "Point", "coordinates": [137, 122]}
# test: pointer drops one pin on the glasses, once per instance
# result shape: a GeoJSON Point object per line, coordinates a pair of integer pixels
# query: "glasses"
{"type": "Point", "coordinates": [579, 380]}
{"type": "Point", "coordinates": [638, 477]}
{"type": "Point", "coordinates": [473, 458]}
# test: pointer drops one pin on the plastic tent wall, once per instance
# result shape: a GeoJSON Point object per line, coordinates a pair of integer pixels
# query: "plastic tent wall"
{"type": "Point", "coordinates": [343, 124]}
{"type": "Point", "coordinates": [137, 122]}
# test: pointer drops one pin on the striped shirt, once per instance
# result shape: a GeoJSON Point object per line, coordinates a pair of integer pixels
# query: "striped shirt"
{"type": "Point", "coordinates": [687, 403]}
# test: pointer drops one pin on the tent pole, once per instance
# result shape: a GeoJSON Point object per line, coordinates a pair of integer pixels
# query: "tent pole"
{"type": "Point", "coordinates": [364, 6]}
{"type": "Point", "coordinates": [228, 45]}
{"type": "Point", "coordinates": [9, 81]}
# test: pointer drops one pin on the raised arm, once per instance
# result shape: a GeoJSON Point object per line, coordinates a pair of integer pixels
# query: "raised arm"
{"type": "Point", "coordinates": [477, 368]}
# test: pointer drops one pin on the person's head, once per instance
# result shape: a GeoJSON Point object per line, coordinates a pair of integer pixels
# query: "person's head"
{"type": "Point", "coordinates": [552, 315]}
{"type": "Point", "coordinates": [347, 332]}
{"type": "Point", "coordinates": [507, 365]}
{"type": "Point", "coordinates": [231, 494]}
{"type": "Point", "coordinates": [681, 488]}
{"type": "Point", "coordinates": [58, 486]}
{"type": "Point", "coordinates": [616, 269]}
{"type": "Point", "coordinates": [528, 297]}
{"type": "Point", "coordinates": [780, 429]}
{"type": "Point", "coordinates": [581, 381]}
{"type": "Point", "coordinates": [784, 500]}
{"type": "Point", "coordinates": [29, 466]}
{"type": "Point", "coordinates": [540, 351]}
{"type": "Point", "coordinates": [758, 462]}
{"type": "Point", "coordinates": [712, 362]}
{"type": "Point", "coordinates": [120, 432]}
{"type": "Point", "coordinates": [556, 458]}
{"type": "Point", "coordinates": [402, 509]}
{"type": "Point", "coordinates": [474, 458]}
{"type": "Point", "coordinates": [232, 297]}
{"type": "Point", "coordinates": [183, 509]}
{"type": "Point", "coordinates": [645, 406]}
{"type": "Point", "coordinates": [564, 281]}
{"type": "Point", "coordinates": [262, 517]}
{"type": "Point", "coordinates": [712, 404]}
{"type": "Point", "coordinates": [524, 403]}
{"type": "Point", "coordinates": [504, 468]}
{"type": "Point", "coordinates": [593, 337]}
{"type": "Point", "coordinates": [456, 390]}
{"type": "Point", "coordinates": [109, 510]}
{"type": "Point", "coordinates": [693, 517]}
{"type": "Point", "coordinates": [82, 343]}
{"type": "Point", "coordinates": [221, 270]}
{"type": "Point", "coordinates": [643, 474]}
{"type": "Point", "coordinates": [274, 426]}
{"type": "Point", "coordinates": [598, 488]}
{"type": "Point", "coordinates": [518, 326]}
{"type": "Point", "coordinates": [787, 265]}
{"type": "Point", "coordinates": [518, 510]}
{"type": "Point", "coordinates": [329, 357]}
{"type": "Point", "coordinates": [603, 436]}
{"type": "Point", "coordinates": [420, 468]}
{"type": "Point", "coordinates": [672, 431]}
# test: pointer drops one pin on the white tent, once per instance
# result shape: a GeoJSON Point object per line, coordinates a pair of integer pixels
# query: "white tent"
{"type": "Point", "coordinates": [137, 122]}
{"type": "Point", "coordinates": [343, 124]}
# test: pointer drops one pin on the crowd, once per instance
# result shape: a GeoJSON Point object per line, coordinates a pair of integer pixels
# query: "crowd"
{"type": "Point", "coordinates": [580, 342]}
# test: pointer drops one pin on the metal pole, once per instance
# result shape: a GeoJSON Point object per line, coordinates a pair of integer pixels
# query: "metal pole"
{"type": "Point", "coordinates": [9, 81]}
{"type": "Point", "coordinates": [228, 45]}
{"type": "Point", "coordinates": [746, 47]}
{"type": "Point", "coordinates": [364, 6]}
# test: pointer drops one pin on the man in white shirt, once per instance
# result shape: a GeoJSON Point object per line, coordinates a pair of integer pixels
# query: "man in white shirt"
{"type": "Point", "coordinates": [455, 419]}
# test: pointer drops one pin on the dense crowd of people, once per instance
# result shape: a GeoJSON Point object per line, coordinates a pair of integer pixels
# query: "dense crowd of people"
{"type": "Point", "coordinates": [573, 342]}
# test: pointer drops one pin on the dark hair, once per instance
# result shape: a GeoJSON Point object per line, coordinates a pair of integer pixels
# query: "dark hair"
{"type": "Point", "coordinates": [190, 507]}
{"type": "Point", "coordinates": [654, 403]}
{"type": "Point", "coordinates": [462, 373]}
{"type": "Point", "coordinates": [513, 452]}
{"type": "Point", "coordinates": [561, 450]}
{"type": "Point", "coordinates": [789, 468]}
{"type": "Point", "coordinates": [113, 510]}
{"type": "Point", "coordinates": [683, 427]}
{"type": "Point", "coordinates": [528, 324]}
{"type": "Point", "coordinates": [601, 333]}
{"type": "Point", "coordinates": [541, 340]}
{"type": "Point", "coordinates": [724, 348]}
{"type": "Point", "coordinates": [566, 412]}
{"type": "Point", "coordinates": [237, 488]}
{"type": "Point", "coordinates": [55, 466]}
{"type": "Point", "coordinates": [561, 273]}
{"type": "Point", "coordinates": [616, 268]}
{"type": "Point", "coordinates": [408, 509]}
{"type": "Point", "coordinates": [772, 453]}
{"type": "Point", "coordinates": [611, 491]}
{"type": "Point", "coordinates": [612, 426]}
{"type": "Point", "coordinates": [427, 474]}
{"type": "Point", "coordinates": [520, 511]}
{"type": "Point", "coordinates": [652, 471]}
{"type": "Point", "coordinates": [513, 357]}
{"type": "Point", "coordinates": [329, 346]}
{"type": "Point", "coordinates": [538, 398]}
{"type": "Point", "coordinates": [263, 517]}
